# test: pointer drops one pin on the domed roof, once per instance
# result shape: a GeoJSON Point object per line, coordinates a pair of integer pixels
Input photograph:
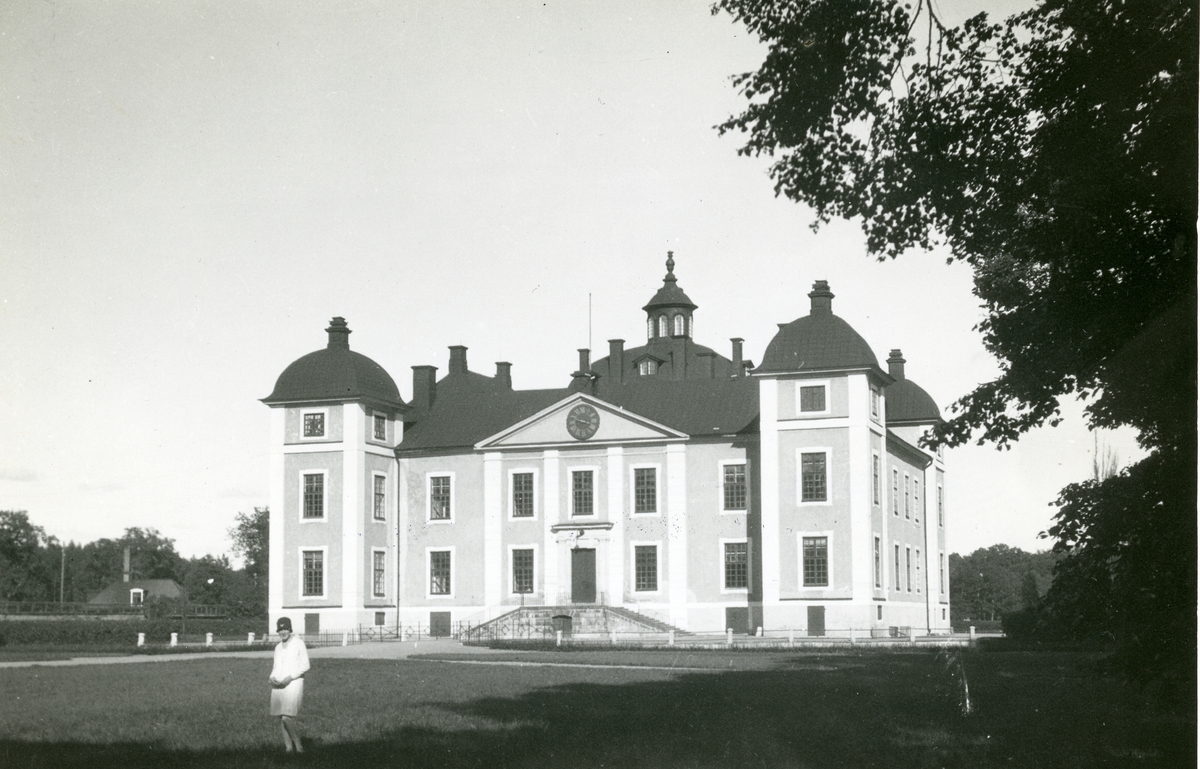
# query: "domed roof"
{"type": "Point", "coordinates": [817, 341]}
{"type": "Point", "coordinates": [906, 400]}
{"type": "Point", "coordinates": [670, 295]}
{"type": "Point", "coordinates": [335, 373]}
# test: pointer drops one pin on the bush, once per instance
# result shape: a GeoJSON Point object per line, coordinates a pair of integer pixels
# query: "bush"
{"type": "Point", "coordinates": [120, 633]}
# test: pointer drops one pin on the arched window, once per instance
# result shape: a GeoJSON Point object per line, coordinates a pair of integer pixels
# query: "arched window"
{"type": "Point", "coordinates": [662, 325]}
{"type": "Point", "coordinates": [649, 328]}
{"type": "Point", "coordinates": [678, 325]}
{"type": "Point", "coordinates": [691, 328]}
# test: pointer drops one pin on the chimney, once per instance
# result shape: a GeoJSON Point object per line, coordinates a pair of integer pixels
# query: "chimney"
{"type": "Point", "coordinates": [584, 357]}
{"type": "Point", "coordinates": [895, 363]}
{"type": "Point", "coordinates": [582, 380]}
{"type": "Point", "coordinates": [126, 573]}
{"type": "Point", "coordinates": [339, 334]}
{"type": "Point", "coordinates": [706, 364]}
{"type": "Point", "coordinates": [458, 360]}
{"type": "Point", "coordinates": [424, 387]}
{"type": "Point", "coordinates": [504, 374]}
{"type": "Point", "coordinates": [822, 298]}
{"type": "Point", "coordinates": [616, 359]}
{"type": "Point", "coordinates": [738, 370]}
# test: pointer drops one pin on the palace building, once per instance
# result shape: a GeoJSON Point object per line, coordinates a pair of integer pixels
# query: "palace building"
{"type": "Point", "coordinates": [665, 479]}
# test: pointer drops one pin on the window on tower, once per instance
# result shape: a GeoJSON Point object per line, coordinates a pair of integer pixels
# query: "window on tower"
{"type": "Point", "coordinates": [678, 325]}
{"type": "Point", "coordinates": [649, 328]}
{"type": "Point", "coordinates": [662, 325]}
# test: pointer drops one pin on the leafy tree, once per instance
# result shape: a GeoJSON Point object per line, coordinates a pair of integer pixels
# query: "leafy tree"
{"type": "Point", "coordinates": [1056, 154]}
{"type": "Point", "coordinates": [994, 581]}
{"type": "Point", "coordinates": [151, 556]}
{"type": "Point", "coordinates": [251, 540]}
{"type": "Point", "coordinates": [24, 575]}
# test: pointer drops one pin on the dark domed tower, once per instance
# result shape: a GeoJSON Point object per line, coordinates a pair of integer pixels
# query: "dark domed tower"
{"type": "Point", "coordinates": [336, 416]}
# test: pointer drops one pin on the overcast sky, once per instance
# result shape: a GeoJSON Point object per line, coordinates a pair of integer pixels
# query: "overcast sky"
{"type": "Point", "coordinates": [189, 192]}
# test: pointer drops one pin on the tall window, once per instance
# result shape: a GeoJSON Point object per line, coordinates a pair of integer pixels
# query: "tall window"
{"type": "Point", "coordinates": [645, 490]}
{"type": "Point", "coordinates": [645, 568]}
{"type": "Point", "coordinates": [918, 569]}
{"type": "Point", "coordinates": [908, 568]}
{"type": "Point", "coordinates": [878, 563]}
{"type": "Point", "coordinates": [314, 573]}
{"type": "Point", "coordinates": [380, 571]}
{"type": "Point", "coordinates": [737, 565]}
{"type": "Point", "coordinates": [662, 325]}
{"type": "Point", "coordinates": [907, 498]}
{"type": "Point", "coordinates": [916, 500]}
{"type": "Point", "coordinates": [314, 425]}
{"type": "Point", "coordinates": [875, 404]}
{"type": "Point", "coordinates": [522, 491]}
{"type": "Point", "coordinates": [439, 572]}
{"type": "Point", "coordinates": [735, 487]}
{"type": "Point", "coordinates": [895, 492]}
{"type": "Point", "coordinates": [896, 561]}
{"type": "Point", "coordinates": [941, 572]}
{"type": "Point", "coordinates": [522, 567]}
{"type": "Point", "coordinates": [649, 328]}
{"type": "Point", "coordinates": [380, 497]}
{"type": "Point", "coordinates": [816, 561]}
{"type": "Point", "coordinates": [678, 325]}
{"type": "Point", "coordinates": [582, 494]}
{"type": "Point", "coordinates": [875, 478]}
{"type": "Point", "coordinates": [812, 398]}
{"type": "Point", "coordinates": [812, 477]}
{"type": "Point", "coordinates": [380, 427]}
{"type": "Point", "coordinates": [314, 495]}
{"type": "Point", "coordinates": [439, 497]}
{"type": "Point", "coordinates": [941, 513]}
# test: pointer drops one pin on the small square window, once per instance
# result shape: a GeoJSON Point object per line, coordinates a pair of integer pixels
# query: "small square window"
{"type": "Point", "coordinates": [380, 618]}
{"type": "Point", "coordinates": [380, 427]}
{"type": "Point", "coordinates": [314, 425]}
{"type": "Point", "coordinates": [812, 398]}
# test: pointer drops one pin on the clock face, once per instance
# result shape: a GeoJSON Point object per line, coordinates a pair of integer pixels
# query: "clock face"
{"type": "Point", "coordinates": [582, 422]}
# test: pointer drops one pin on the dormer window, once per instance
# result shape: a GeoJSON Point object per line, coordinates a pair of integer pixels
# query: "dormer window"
{"type": "Point", "coordinates": [648, 368]}
{"type": "Point", "coordinates": [137, 596]}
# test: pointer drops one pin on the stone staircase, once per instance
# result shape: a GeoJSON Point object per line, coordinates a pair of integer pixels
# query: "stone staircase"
{"type": "Point", "coordinates": [539, 623]}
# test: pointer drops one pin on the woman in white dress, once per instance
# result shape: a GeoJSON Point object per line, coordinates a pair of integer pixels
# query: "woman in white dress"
{"type": "Point", "coordinates": [287, 681]}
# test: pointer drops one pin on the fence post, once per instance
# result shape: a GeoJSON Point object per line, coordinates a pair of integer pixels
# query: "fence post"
{"type": "Point", "coordinates": [614, 638]}
{"type": "Point", "coordinates": [249, 639]}
{"type": "Point", "coordinates": [729, 636]}
{"type": "Point", "coordinates": [345, 638]}
{"type": "Point", "coordinates": [174, 639]}
{"type": "Point", "coordinates": [972, 635]}
{"type": "Point", "coordinates": [670, 638]}
{"type": "Point", "coordinates": [851, 636]}
{"type": "Point", "coordinates": [791, 636]}
{"type": "Point", "coordinates": [141, 639]}
{"type": "Point", "coordinates": [208, 639]}
{"type": "Point", "coordinates": [759, 633]}
{"type": "Point", "coordinates": [558, 638]}
{"type": "Point", "coordinates": [912, 635]}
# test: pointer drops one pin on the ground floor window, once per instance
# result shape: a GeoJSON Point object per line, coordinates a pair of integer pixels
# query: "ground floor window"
{"type": "Point", "coordinates": [314, 573]}
{"type": "Point", "coordinates": [816, 561]}
{"type": "Point", "coordinates": [522, 571]}
{"type": "Point", "coordinates": [737, 566]}
{"type": "Point", "coordinates": [645, 567]}
{"type": "Point", "coordinates": [439, 572]}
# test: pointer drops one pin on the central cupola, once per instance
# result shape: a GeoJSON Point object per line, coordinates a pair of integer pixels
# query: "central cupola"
{"type": "Point", "coordinates": [669, 313]}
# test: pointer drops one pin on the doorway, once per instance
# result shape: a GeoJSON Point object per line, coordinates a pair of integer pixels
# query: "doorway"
{"type": "Point", "coordinates": [816, 620]}
{"type": "Point", "coordinates": [583, 576]}
{"type": "Point", "coordinates": [737, 619]}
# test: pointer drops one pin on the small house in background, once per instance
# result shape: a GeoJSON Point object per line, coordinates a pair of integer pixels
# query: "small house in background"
{"type": "Point", "coordinates": [135, 592]}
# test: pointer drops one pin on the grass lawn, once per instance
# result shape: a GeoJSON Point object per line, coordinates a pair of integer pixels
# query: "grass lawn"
{"type": "Point", "coordinates": [778, 709]}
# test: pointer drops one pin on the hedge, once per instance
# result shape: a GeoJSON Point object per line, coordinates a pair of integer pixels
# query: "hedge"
{"type": "Point", "coordinates": [100, 632]}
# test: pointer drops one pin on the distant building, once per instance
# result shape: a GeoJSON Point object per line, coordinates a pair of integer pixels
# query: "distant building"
{"type": "Point", "coordinates": [136, 592]}
{"type": "Point", "coordinates": [665, 478]}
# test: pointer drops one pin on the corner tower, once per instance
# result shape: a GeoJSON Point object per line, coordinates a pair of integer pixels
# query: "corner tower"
{"type": "Point", "coordinates": [335, 417]}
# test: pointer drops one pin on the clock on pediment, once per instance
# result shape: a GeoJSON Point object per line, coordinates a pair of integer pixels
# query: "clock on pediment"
{"type": "Point", "coordinates": [582, 422]}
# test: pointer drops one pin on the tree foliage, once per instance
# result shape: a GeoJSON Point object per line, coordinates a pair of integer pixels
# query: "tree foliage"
{"type": "Point", "coordinates": [994, 581]}
{"type": "Point", "coordinates": [1056, 153]}
{"type": "Point", "coordinates": [250, 538]}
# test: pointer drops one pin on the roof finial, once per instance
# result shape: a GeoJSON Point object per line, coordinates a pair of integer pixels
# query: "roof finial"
{"type": "Point", "coordinates": [670, 266]}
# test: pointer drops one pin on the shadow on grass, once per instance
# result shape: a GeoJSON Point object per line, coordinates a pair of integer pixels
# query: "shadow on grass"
{"type": "Point", "coordinates": [803, 712]}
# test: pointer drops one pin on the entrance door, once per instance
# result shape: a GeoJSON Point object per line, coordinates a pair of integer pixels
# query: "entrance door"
{"type": "Point", "coordinates": [737, 618]}
{"type": "Point", "coordinates": [312, 624]}
{"type": "Point", "coordinates": [816, 620]}
{"type": "Point", "coordinates": [583, 576]}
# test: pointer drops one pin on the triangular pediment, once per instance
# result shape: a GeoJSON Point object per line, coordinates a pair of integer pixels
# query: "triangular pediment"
{"type": "Point", "coordinates": [581, 419]}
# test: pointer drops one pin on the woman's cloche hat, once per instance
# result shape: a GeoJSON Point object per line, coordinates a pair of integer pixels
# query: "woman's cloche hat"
{"type": "Point", "coordinates": [283, 624]}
